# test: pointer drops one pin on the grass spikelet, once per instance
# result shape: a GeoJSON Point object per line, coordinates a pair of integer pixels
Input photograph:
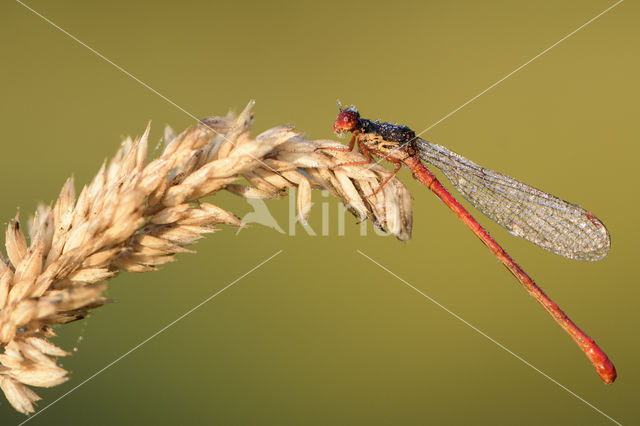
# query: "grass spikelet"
{"type": "Point", "coordinates": [136, 215]}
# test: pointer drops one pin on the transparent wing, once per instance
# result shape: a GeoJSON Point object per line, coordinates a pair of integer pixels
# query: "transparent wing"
{"type": "Point", "coordinates": [547, 221]}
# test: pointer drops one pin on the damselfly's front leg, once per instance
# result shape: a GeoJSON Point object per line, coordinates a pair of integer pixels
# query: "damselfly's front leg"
{"type": "Point", "coordinates": [363, 149]}
{"type": "Point", "coordinates": [352, 144]}
{"type": "Point", "coordinates": [369, 159]}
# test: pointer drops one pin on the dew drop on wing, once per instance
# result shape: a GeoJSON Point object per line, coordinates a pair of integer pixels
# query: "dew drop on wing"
{"type": "Point", "coordinates": [541, 218]}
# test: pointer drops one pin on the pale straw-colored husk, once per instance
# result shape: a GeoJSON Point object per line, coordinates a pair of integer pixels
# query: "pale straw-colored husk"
{"type": "Point", "coordinates": [137, 214]}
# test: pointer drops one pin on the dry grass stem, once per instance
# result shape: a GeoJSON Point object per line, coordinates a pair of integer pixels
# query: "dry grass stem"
{"type": "Point", "coordinates": [136, 215]}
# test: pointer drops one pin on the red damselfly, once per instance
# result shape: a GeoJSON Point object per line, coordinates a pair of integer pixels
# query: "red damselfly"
{"type": "Point", "coordinates": [547, 221]}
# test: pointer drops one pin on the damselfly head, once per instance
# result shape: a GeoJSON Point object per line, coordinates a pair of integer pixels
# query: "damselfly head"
{"type": "Point", "coordinates": [347, 120]}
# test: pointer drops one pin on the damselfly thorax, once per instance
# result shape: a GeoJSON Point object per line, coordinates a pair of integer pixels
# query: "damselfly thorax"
{"type": "Point", "coordinates": [385, 148]}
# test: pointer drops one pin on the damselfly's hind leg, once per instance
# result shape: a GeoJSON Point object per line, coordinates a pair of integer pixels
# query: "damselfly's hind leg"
{"type": "Point", "coordinates": [398, 164]}
{"type": "Point", "coordinates": [369, 159]}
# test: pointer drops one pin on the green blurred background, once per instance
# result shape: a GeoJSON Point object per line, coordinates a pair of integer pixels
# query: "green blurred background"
{"type": "Point", "coordinates": [320, 335]}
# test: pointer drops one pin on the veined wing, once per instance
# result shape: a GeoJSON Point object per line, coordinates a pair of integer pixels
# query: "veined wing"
{"type": "Point", "coordinates": [547, 221]}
